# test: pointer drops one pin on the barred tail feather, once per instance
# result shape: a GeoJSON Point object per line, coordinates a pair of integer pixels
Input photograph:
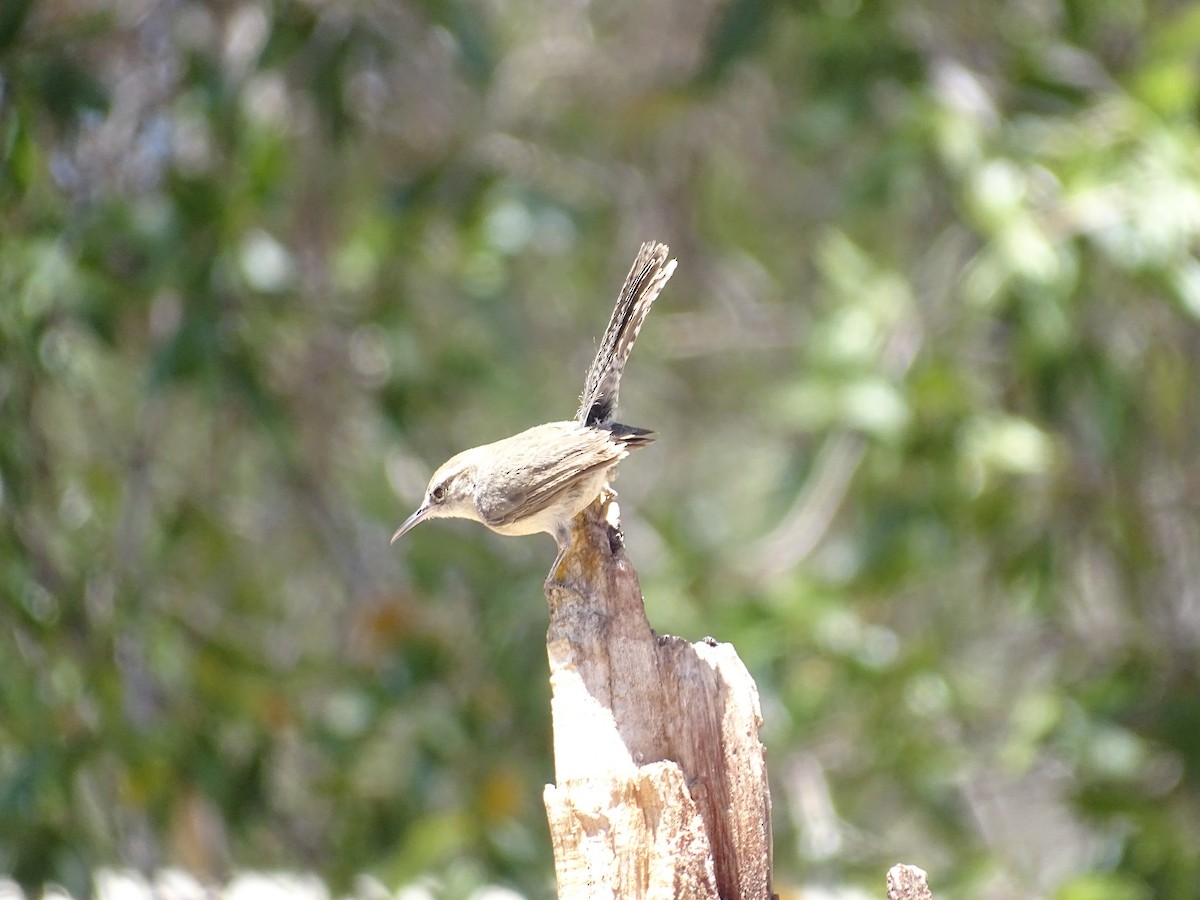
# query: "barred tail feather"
{"type": "Point", "coordinates": [649, 275]}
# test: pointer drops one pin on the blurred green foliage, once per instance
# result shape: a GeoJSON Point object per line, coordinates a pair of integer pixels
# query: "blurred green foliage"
{"type": "Point", "coordinates": [926, 386]}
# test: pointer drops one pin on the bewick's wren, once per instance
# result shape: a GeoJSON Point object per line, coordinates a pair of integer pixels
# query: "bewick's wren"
{"type": "Point", "coordinates": [540, 479]}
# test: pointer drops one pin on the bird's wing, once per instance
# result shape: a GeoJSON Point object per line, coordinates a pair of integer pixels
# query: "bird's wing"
{"type": "Point", "coordinates": [548, 465]}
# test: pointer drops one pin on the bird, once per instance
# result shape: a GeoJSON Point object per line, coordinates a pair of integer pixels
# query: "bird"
{"type": "Point", "coordinates": [540, 479]}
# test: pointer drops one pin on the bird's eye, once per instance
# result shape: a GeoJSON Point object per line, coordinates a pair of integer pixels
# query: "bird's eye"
{"type": "Point", "coordinates": [438, 494]}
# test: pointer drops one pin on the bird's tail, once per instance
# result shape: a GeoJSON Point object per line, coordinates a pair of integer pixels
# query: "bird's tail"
{"type": "Point", "coordinates": [631, 436]}
{"type": "Point", "coordinates": [649, 275]}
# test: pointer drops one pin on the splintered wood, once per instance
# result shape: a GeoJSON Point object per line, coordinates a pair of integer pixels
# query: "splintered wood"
{"type": "Point", "coordinates": [661, 779]}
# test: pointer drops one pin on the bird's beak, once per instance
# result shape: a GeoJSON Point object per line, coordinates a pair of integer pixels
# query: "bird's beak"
{"type": "Point", "coordinates": [415, 519]}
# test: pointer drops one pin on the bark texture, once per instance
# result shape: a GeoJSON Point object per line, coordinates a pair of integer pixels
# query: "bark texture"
{"type": "Point", "coordinates": [661, 781]}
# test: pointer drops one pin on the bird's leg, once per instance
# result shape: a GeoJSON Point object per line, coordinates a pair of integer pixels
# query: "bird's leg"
{"type": "Point", "coordinates": [611, 511]}
{"type": "Point", "coordinates": [562, 537]}
{"type": "Point", "coordinates": [563, 533]}
{"type": "Point", "coordinates": [552, 575]}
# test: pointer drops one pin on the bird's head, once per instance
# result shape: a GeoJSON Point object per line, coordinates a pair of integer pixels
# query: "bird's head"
{"type": "Point", "coordinates": [451, 493]}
